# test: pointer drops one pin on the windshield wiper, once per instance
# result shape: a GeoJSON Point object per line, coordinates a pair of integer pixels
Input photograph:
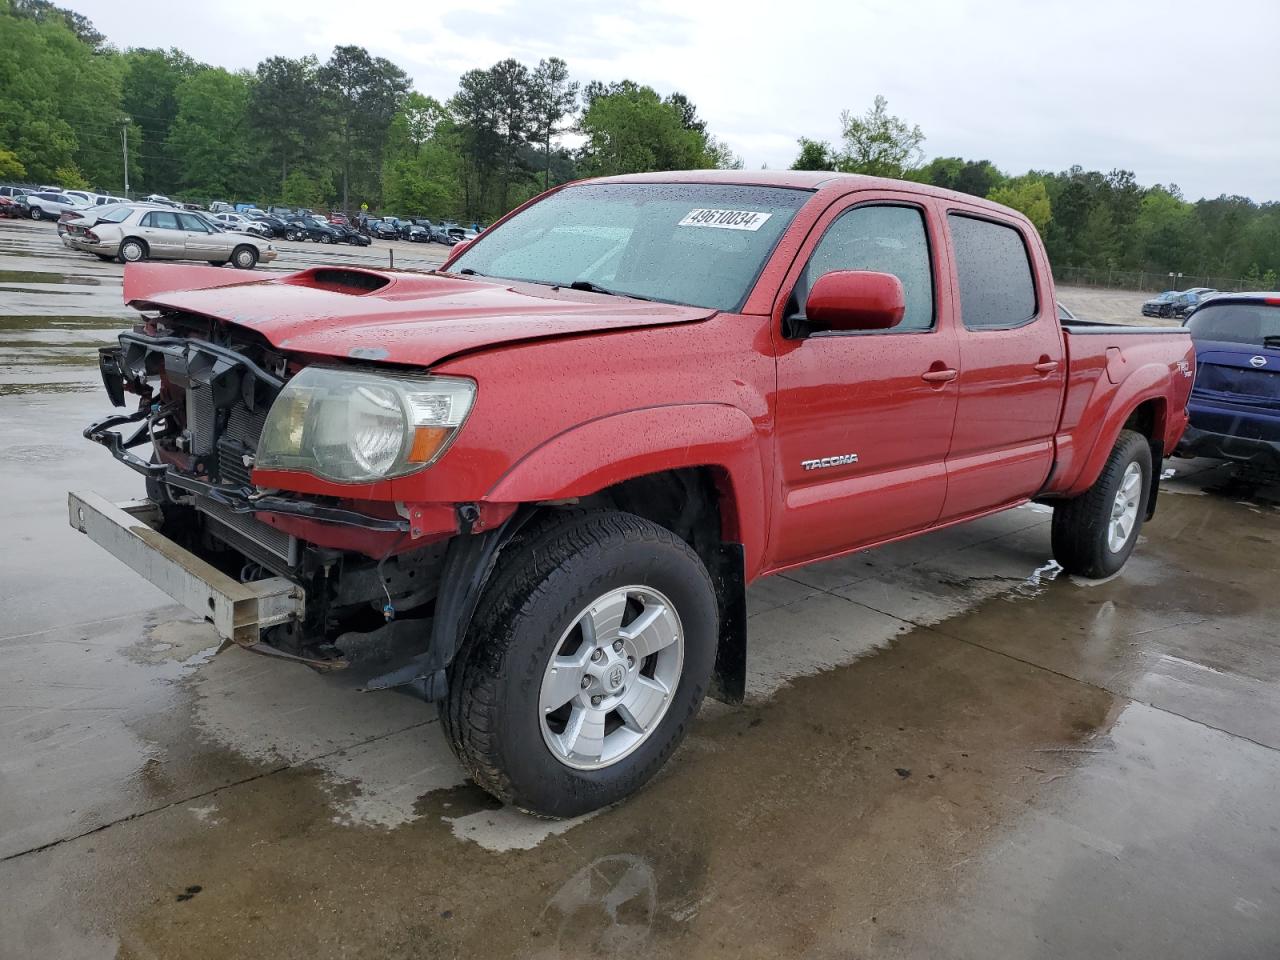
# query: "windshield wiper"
{"type": "Point", "coordinates": [592, 287]}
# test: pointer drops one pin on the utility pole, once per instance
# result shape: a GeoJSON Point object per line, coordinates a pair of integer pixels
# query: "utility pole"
{"type": "Point", "coordinates": [124, 138]}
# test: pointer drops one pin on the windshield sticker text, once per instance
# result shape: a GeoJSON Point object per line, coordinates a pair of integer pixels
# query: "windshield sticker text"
{"type": "Point", "coordinates": [725, 219]}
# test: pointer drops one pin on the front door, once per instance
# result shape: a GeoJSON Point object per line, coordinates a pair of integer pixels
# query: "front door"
{"type": "Point", "coordinates": [864, 419]}
{"type": "Point", "coordinates": [200, 242]}
{"type": "Point", "coordinates": [1012, 368]}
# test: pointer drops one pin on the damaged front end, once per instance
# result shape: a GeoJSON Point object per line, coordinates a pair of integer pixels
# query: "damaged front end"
{"type": "Point", "coordinates": [337, 583]}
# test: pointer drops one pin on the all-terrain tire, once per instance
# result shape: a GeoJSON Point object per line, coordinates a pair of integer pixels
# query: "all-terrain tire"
{"type": "Point", "coordinates": [1082, 526]}
{"type": "Point", "coordinates": [555, 568]}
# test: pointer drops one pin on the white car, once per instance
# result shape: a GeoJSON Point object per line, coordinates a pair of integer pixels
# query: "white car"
{"type": "Point", "coordinates": [48, 205]}
{"type": "Point", "coordinates": [147, 233]}
{"type": "Point", "coordinates": [237, 221]}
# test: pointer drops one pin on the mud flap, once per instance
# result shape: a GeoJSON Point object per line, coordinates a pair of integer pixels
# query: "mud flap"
{"type": "Point", "coordinates": [729, 679]}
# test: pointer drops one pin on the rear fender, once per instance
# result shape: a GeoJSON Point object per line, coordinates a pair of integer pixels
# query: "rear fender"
{"type": "Point", "coordinates": [595, 455]}
{"type": "Point", "coordinates": [1096, 437]}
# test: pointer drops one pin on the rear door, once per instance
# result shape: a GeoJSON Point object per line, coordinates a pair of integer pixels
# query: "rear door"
{"type": "Point", "coordinates": [1012, 365]}
{"type": "Point", "coordinates": [163, 234]}
{"type": "Point", "coordinates": [864, 419]}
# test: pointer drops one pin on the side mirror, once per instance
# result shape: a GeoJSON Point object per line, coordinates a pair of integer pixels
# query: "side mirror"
{"type": "Point", "coordinates": [856, 300]}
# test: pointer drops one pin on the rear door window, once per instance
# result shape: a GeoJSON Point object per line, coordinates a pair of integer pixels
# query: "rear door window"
{"type": "Point", "coordinates": [162, 220]}
{"type": "Point", "coordinates": [993, 267]}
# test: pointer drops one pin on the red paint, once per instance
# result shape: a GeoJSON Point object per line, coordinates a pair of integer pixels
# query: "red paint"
{"type": "Point", "coordinates": [578, 391]}
{"type": "Point", "coordinates": [850, 300]}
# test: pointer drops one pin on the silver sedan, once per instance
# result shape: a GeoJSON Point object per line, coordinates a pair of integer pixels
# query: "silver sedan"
{"type": "Point", "coordinates": [148, 233]}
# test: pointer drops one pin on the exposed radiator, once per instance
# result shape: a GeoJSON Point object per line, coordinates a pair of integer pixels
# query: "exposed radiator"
{"type": "Point", "coordinates": [249, 535]}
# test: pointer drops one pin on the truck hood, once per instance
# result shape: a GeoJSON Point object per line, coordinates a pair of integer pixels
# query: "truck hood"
{"type": "Point", "coordinates": [409, 318]}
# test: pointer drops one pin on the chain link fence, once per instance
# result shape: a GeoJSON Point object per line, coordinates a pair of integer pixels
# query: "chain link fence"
{"type": "Point", "coordinates": [1150, 280]}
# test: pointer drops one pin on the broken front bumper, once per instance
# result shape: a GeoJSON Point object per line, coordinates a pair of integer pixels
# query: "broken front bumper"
{"type": "Point", "coordinates": [240, 612]}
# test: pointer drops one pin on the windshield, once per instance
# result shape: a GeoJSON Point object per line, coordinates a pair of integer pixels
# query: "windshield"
{"type": "Point", "coordinates": [1257, 324]}
{"type": "Point", "coordinates": [697, 244]}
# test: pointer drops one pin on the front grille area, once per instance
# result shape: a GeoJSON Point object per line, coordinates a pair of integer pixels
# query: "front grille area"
{"type": "Point", "coordinates": [237, 439]}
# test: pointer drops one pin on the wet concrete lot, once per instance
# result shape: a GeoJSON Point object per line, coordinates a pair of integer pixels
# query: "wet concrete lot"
{"type": "Point", "coordinates": [948, 750]}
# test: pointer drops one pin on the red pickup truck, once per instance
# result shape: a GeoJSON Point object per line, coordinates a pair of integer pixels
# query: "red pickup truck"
{"type": "Point", "coordinates": [533, 485]}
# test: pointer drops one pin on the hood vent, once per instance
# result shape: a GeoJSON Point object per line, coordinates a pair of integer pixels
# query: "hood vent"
{"type": "Point", "coordinates": [339, 280]}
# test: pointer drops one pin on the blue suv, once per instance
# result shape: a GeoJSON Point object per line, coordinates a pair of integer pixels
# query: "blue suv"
{"type": "Point", "coordinates": [1235, 403]}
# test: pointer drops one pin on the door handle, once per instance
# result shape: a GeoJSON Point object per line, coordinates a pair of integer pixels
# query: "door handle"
{"type": "Point", "coordinates": [938, 376]}
{"type": "Point", "coordinates": [1046, 366]}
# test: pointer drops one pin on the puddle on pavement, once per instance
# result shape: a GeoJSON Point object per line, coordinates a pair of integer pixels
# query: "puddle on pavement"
{"type": "Point", "coordinates": [47, 389]}
{"type": "Point", "coordinates": [37, 276]}
{"type": "Point", "coordinates": [811, 802]}
{"type": "Point", "coordinates": [34, 323]}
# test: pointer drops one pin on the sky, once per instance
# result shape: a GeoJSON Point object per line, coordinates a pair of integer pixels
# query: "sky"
{"type": "Point", "coordinates": [1177, 91]}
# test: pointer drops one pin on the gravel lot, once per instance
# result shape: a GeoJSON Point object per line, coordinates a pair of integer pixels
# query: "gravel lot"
{"type": "Point", "coordinates": [948, 749]}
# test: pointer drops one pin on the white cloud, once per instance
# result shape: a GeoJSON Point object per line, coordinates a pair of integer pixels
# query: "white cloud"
{"type": "Point", "coordinates": [1177, 91]}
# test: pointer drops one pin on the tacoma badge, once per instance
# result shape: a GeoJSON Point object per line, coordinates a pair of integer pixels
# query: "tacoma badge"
{"type": "Point", "coordinates": [824, 462]}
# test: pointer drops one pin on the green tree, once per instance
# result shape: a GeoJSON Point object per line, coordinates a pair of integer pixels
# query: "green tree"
{"type": "Point", "coordinates": [629, 128]}
{"type": "Point", "coordinates": [210, 136]}
{"type": "Point", "coordinates": [150, 101]}
{"type": "Point", "coordinates": [364, 94]}
{"type": "Point", "coordinates": [285, 112]}
{"type": "Point", "coordinates": [1028, 196]}
{"type": "Point", "coordinates": [814, 155]}
{"type": "Point", "coordinates": [1099, 240]}
{"type": "Point", "coordinates": [554, 96]}
{"type": "Point", "coordinates": [878, 143]}
{"type": "Point", "coordinates": [11, 167]}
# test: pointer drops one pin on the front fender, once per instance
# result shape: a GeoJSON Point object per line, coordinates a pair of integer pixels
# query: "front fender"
{"type": "Point", "coordinates": [600, 453]}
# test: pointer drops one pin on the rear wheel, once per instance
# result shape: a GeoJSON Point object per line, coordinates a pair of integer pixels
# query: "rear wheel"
{"type": "Point", "coordinates": [37, 213]}
{"type": "Point", "coordinates": [244, 257]}
{"type": "Point", "coordinates": [1094, 533]}
{"type": "Point", "coordinates": [585, 665]}
{"type": "Point", "coordinates": [132, 250]}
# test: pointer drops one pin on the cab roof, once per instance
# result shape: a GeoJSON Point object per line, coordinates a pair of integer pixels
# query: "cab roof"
{"type": "Point", "coordinates": [799, 179]}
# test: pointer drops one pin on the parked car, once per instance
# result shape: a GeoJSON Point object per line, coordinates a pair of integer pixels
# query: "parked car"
{"type": "Point", "coordinates": [8, 190]}
{"type": "Point", "coordinates": [383, 229]}
{"type": "Point", "coordinates": [221, 206]}
{"type": "Point", "coordinates": [10, 208]}
{"type": "Point", "coordinates": [1190, 299]}
{"type": "Point", "coordinates": [414, 232]}
{"type": "Point", "coordinates": [440, 444]}
{"type": "Point", "coordinates": [49, 206]}
{"type": "Point", "coordinates": [148, 233]}
{"type": "Point", "coordinates": [104, 200]}
{"type": "Point", "coordinates": [238, 221]}
{"type": "Point", "coordinates": [1235, 403]}
{"type": "Point", "coordinates": [160, 198]}
{"type": "Point", "coordinates": [354, 237]}
{"type": "Point", "coordinates": [273, 226]}
{"type": "Point", "coordinates": [309, 228]}
{"type": "Point", "coordinates": [339, 219]}
{"type": "Point", "coordinates": [1175, 303]}
{"type": "Point", "coordinates": [446, 232]}
{"type": "Point", "coordinates": [75, 225]}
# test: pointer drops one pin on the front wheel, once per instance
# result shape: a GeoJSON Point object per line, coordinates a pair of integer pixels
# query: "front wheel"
{"type": "Point", "coordinates": [37, 213]}
{"type": "Point", "coordinates": [585, 664]}
{"type": "Point", "coordinates": [1094, 533]}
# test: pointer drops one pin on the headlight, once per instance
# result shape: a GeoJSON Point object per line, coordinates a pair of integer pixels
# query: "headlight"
{"type": "Point", "coordinates": [352, 426]}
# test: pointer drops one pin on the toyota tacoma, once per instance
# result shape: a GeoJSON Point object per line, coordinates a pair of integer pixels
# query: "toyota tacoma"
{"type": "Point", "coordinates": [533, 485]}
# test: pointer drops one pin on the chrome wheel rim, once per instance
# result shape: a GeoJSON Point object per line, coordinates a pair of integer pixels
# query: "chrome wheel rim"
{"type": "Point", "coordinates": [131, 252]}
{"type": "Point", "coordinates": [244, 258]}
{"type": "Point", "coordinates": [1124, 509]}
{"type": "Point", "coordinates": [611, 678]}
